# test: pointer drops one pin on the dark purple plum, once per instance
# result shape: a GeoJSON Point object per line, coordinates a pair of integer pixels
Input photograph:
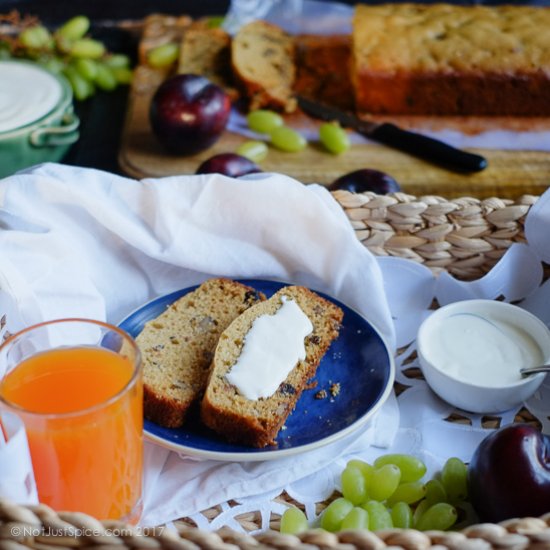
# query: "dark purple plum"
{"type": "Point", "coordinates": [188, 113]}
{"type": "Point", "coordinates": [366, 179]}
{"type": "Point", "coordinates": [228, 164]}
{"type": "Point", "coordinates": [509, 474]}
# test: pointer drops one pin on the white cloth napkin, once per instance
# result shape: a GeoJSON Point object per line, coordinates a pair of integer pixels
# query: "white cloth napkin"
{"type": "Point", "coordinates": [16, 474]}
{"type": "Point", "coordinates": [85, 243]}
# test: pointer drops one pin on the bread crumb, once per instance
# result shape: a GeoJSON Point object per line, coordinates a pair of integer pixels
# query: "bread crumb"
{"type": "Point", "coordinates": [335, 389]}
{"type": "Point", "coordinates": [321, 394]}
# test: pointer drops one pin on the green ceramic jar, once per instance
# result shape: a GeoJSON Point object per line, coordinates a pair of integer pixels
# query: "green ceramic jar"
{"type": "Point", "coordinates": [37, 122]}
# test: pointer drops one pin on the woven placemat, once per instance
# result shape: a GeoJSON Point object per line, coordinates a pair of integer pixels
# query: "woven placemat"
{"type": "Point", "coordinates": [465, 236]}
{"type": "Point", "coordinates": [41, 528]}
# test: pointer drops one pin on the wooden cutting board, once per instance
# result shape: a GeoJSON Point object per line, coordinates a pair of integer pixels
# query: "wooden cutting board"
{"type": "Point", "coordinates": [510, 174]}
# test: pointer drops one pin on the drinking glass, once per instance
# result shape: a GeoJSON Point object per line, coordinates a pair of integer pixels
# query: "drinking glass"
{"type": "Point", "coordinates": [77, 386]}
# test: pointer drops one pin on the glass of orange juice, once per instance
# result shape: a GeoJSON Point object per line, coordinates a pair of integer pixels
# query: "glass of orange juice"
{"type": "Point", "coordinates": [77, 386]}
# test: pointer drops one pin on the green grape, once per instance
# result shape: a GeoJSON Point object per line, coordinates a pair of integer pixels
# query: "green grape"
{"type": "Point", "coordinates": [379, 516]}
{"type": "Point", "coordinates": [412, 468]}
{"type": "Point", "coordinates": [357, 518]}
{"type": "Point", "coordinates": [86, 68]}
{"type": "Point", "coordinates": [384, 482]}
{"type": "Point", "coordinates": [256, 151]}
{"type": "Point", "coordinates": [73, 29]}
{"type": "Point", "coordinates": [4, 52]}
{"type": "Point", "coordinates": [437, 517]}
{"type": "Point", "coordinates": [163, 55]}
{"type": "Point", "coordinates": [335, 512]}
{"type": "Point", "coordinates": [293, 521]}
{"type": "Point", "coordinates": [36, 38]}
{"type": "Point", "coordinates": [421, 507]}
{"type": "Point", "coordinates": [334, 137]}
{"type": "Point", "coordinates": [123, 75]}
{"type": "Point", "coordinates": [435, 492]}
{"type": "Point", "coordinates": [105, 79]}
{"type": "Point", "coordinates": [53, 64]}
{"type": "Point", "coordinates": [117, 61]}
{"type": "Point", "coordinates": [215, 21]}
{"type": "Point", "coordinates": [401, 515]}
{"type": "Point", "coordinates": [264, 121]}
{"type": "Point", "coordinates": [354, 485]}
{"type": "Point", "coordinates": [409, 492]}
{"type": "Point", "coordinates": [287, 139]}
{"type": "Point", "coordinates": [82, 88]}
{"type": "Point", "coordinates": [87, 47]}
{"type": "Point", "coordinates": [454, 477]}
{"type": "Point", "coordinates": [365, 467]}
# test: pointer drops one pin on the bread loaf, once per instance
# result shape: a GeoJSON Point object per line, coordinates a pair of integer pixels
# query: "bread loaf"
{"type": "Point", "coordinates": [177, 347]}
{"type": "Point", "coordinates": [263, 62]}
{"type": "Point", "coordinates": [256, 422]}
{"type": "Point", "coordinates": [445, 59]}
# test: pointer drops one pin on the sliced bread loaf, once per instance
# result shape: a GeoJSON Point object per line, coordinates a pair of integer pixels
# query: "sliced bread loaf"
{"type": "Point", "coordinates": [177, 347]}
{"type": "Point", "coordinates": [256, 422]}
{"type": "Point", "coordinates": [262, 57]}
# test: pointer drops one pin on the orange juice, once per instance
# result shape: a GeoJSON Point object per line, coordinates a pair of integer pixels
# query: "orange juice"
{"type": "Point", "coordinates": [84, 422]}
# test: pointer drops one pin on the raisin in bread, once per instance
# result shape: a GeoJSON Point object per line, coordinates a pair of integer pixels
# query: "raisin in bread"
{"type": "Point", "coordinates": [263, 62]}
{"type": "Point", "coordinates": [177, 347]}
{"type": "Point", "coordinates": [256, 422]}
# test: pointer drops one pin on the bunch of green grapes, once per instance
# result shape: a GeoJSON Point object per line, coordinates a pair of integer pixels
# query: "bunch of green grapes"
{"type": "Point", "coordinates": [69, 50]}
{"type": "Point", "coordinates": [390, 493]}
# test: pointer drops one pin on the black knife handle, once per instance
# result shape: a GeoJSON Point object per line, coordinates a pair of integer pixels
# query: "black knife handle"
{"type": "Point", "coordinates": [428, 148]}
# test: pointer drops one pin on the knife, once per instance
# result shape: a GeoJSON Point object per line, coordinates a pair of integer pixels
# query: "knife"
{"type": "Point", "coordinates": [389, 134]}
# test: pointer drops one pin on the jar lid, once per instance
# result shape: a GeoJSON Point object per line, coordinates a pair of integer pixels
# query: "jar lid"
{"type": "Point", "coordinates": [27, 93]}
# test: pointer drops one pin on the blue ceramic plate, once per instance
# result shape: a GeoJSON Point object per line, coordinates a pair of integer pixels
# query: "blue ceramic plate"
{"type": "Point", "coordinates": [358, 361]}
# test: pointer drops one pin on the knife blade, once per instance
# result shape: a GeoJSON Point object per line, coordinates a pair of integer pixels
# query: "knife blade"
{"type": "Point", "coordinates": [418, 145]}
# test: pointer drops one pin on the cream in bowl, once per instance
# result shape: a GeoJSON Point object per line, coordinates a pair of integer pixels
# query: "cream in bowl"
{"type": "Point", "coordinates": [471, 353]}
{"type": "Point", "coordinates": [37, 122]}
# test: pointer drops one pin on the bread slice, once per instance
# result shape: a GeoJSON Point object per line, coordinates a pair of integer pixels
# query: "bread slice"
{"type": "Point", "coordinates": [206, 51]}
{"type": "Point", "coordinates": [263, 61]}
{"type": "Point", "coordinates": [257, 422]}
{"type": "Point", "coordinates": [177, 347]}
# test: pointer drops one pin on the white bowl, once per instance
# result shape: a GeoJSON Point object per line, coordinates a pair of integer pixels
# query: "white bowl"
{"type": "Point", "coordinates": [458, 342]}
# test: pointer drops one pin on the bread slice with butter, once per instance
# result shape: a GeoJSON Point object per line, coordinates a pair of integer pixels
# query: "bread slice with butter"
{"type": "Point", "coordinates": [177, 347]}
{"type": "Point", "coordinates": [256, 421]}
